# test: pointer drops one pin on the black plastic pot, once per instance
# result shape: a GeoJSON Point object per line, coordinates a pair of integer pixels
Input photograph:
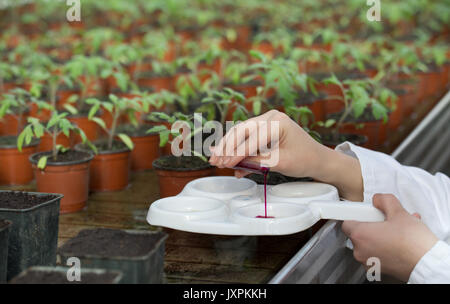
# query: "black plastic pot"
{"type": "Point", "coordinates": [144, 269]}
{"type": "Point", "coordinates": [33, 237]}
{"type": "Point", "coordinates": [4, 237]}
{"type": "Point", "coordinates": [58, 275]}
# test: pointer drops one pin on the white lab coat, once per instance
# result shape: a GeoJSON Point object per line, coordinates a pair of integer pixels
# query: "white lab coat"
{"type": "Point", "coordinates": [418, 191]}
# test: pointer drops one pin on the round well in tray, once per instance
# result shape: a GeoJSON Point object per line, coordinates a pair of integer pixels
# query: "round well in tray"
{"type": "Point", "coordinates": [302, 192]}
{"type": "Point", "coordinates": [221, 187]}
{"type": "Point", "coordinates": [188, 208]}
{"type": "Point", "coordinates": [283, 218]}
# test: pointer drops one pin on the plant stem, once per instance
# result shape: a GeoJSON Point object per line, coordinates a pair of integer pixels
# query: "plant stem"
{"type": "Point", "coordinates": [2, 85]}
{"type": "Point", "coordinates": [136, 70]}
{"type": "Point", "coordinates": [343, 116]}
{"type": "Point", "coordinates": [53, 88]}
{"type": "Point", "coordinates": [55, 136]}
{"type": "Point", "coordinates": [113, 128]}
{"type": "Point", "coordinates": [19, 119]}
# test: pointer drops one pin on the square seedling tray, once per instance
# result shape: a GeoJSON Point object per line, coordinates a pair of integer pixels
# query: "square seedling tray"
{"type": "Point", "coordinates": [139, 255]}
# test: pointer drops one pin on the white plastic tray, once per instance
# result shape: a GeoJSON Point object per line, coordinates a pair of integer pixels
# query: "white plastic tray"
{"type": "Point", "coordinates": [230, 206]}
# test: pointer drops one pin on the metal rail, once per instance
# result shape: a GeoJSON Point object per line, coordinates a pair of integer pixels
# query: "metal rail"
{"type": "Point", "coordinates": [427, 147]}
{"type": "Point", "coordinates": [325, 258]}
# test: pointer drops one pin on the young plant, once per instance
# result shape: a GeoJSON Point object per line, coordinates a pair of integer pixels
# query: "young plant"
{"type": "Point", "coordinates": [281, 39]}
{"type": "Point", "coordinates": [6, 73]}
{"type": "Point", "coordinates": [356, 98]}
{"type": "Point", "coordinates": [17, 101]}
{"type": "Point", "coordinates": [125, 54]}
{"type": "Point", "coordinates": [97, 38]}
{"type": "Point", "coordinates": [83, 70]}
{"type": "Point", "coordinates": [165, 134]}
{"type": "Point", "coordinates": [306, 118]}
{"type": "Point", "coordinates": [217, 105]}
{"type": "Point", "coordinates": [282, 76]}
{"type": "Point", "coordinates": [47, 76]}
{"type": "Point", "coordinates": [57, 124]}
{"type": "Point", "coordinates": [117, 107]}
{"type": "Point", "coordinates": [234, 69]}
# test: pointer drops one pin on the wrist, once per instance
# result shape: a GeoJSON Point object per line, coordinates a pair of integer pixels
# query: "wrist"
{"type": "Point", "coordinates": [340, 170]}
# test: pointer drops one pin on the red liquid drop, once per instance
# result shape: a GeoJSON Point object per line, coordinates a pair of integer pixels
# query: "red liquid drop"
{"type": "Point", "coordinates": [256, 168]}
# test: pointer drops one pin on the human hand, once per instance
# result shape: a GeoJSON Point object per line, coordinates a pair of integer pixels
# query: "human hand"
{"type": "Point", "coordinates": [399, 242]}
{"type": "Point", "coordinates": [297, 153]}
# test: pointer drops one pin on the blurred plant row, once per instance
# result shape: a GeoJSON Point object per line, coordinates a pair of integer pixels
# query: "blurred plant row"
{"type": "Point", "coordinates": [129, 69]}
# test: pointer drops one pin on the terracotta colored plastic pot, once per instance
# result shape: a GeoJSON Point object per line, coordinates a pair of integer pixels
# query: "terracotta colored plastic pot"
{"type": "Point", "coordinates": [157, 83]}
{"type": "Point", "coordinates": [376, 132]}
{"type": "Point", "coordinates": [430, 83]}
{"type": "Point", "coordinates": [15, 169]}
{"type": "Point", "coordinates": [242, 41]}
{"type": "Point", "coordinates": [46, 143]}
{"type": "Point", "coordinates": [318, 109]}
{"type": "Point", "coordinates": [331, 105]}
{"type": "Point", "coordinates": [266, 48]}
{"type": "Point", "coordinates": [146, 150]}
{"type": "Point", "coordinates": [70, 179]}
{"type": "Point", "coordinates": [171, 52]}
{"type": "Point", "coordinates": [396, 116]}
{"type": "Point", "coordinates": [89, 127]}
{"type": "Point", "coordinates": [356, 139]}
{"type": "Point", "coordinates": [172, 182]}
{"type": "Point", "coordinates": [9, 124]}
{"type": "Point", "coordinates": [224, 172]}
{"type": "Point", "coordinates": [248, 90]}
{"type": "Point", "coordinates": [214, 66]}
{"type": "Point", "coordinates": [95, 86]}
{"type": "Point", "coordinates": [110, 171]}
{"type": "Point", "coordinates": [64, 94]}
{"type": "Point", "coordinates": [132, 69]}
{"type": "Point", "coordinates": [167, 149]}
{"type": "Point", "coordinates": [42, 114]}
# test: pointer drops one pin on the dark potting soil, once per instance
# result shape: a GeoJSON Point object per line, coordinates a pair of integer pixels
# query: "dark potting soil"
{"type": "Point", "coordinates": [60, 277]}
{"type": "Point", "coordinates": [181, 163]}
{"type": "Point", "coordinates": [152, 74]}
{"type": "Point", "coordinates": [237, 87]}
{"type": "Point", "coordinates": [102, 146]}
{"type": "Point", "coordinates": [22, 200]}
{"type": "Point", "coordinates": [275, 178]}
{"type": "Point", "coordinates": [366, 116]}
{"type": "Point", "coordinates": [328, 140]}
{"type": "Point", "coordinates": [11, 141]}
{"type": "Point", "coordinates": [302, 99]}
{"type": "Point", "coordinates": [110, 243]}
{"type": "Point", "coordinates": [133, 131]}
{"type": "Point", "coordinates": [66, 157]}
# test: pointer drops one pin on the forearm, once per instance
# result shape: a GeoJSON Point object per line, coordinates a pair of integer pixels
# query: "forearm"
{"type": "Point", "coordinates": [340, 170]}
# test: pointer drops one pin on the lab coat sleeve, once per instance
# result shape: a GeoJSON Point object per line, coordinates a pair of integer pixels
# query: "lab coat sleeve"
{"type": "Point", "coordinates": [418, 191]}
{"type": "Point", "coordinates": [433, 267]}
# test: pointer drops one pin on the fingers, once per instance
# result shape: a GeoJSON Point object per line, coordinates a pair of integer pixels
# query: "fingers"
{"type": "Point", "coordinates": [241, 173]}
{"type": "Point", "coordinates": [348, 227]}
{"type": "Point", "coordinates": [388, 204]}
{"type": "Point", "coordinates": [244, 139]}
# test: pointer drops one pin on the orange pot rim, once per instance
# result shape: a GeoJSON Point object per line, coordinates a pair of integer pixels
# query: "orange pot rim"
{"type": "Point", "coordinates": [88, 158]}
{"type": "Point", "coordinates": [158, 167]}
{"type": "Point", "coordinates": [34, 143]}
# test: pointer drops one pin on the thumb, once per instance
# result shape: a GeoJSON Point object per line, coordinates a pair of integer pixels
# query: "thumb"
{"type": "Point", "coordinates": [388, 204]}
